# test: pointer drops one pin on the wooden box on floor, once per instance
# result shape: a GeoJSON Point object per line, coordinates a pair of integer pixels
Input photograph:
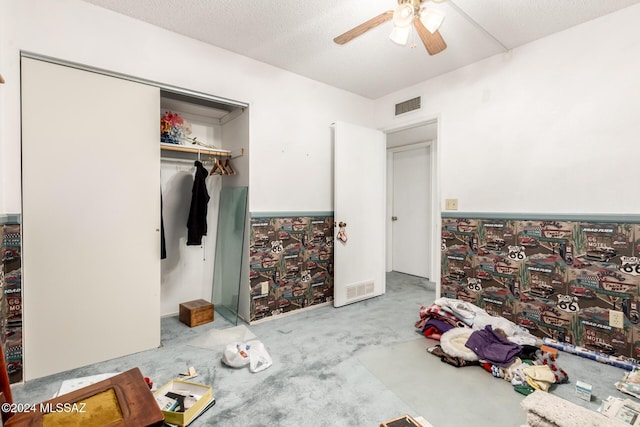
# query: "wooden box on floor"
{"type": "Point", "coordinates": [196, 312]}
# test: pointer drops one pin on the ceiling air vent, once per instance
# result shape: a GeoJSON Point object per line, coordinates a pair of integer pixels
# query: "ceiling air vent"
{"type": "Point", "coordinates": [406, 106]}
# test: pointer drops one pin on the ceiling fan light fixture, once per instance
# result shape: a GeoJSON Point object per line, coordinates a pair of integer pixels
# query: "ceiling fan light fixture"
{"type": "Point", "coordinates": [403, 15]}
{"type": "Point", "coordinates": [432, 19]}
{"type": "Point", "coordinates": [400, 35]}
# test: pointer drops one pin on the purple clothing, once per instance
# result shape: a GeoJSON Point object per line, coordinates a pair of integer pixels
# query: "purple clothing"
{"type": "Point", "coordinates": [438, 324]}
{"type": "Point", "coordinates": [493, 347]}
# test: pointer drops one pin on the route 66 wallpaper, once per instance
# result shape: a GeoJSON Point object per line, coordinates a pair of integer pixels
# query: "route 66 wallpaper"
{"type": "Point", "coordinates": [291, 263]}
{"type": "Point", "coordinates": [560, 279]}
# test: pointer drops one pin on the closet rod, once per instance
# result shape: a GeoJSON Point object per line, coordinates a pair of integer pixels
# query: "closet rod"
{"type": "Point", "coordinates": [239, 155]}
{"type": "Point", "coordinates": [195, 150]}
{"type": "Point", "coordinates": [189, 161]}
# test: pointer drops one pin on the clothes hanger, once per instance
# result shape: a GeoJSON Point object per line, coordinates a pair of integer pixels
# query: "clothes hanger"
{"type": "Point", "coordinates": [214, 168]}
{"type": "Point", "coordinates": [227, 165]}
{"type": "Point", "coordinates": [218, 166]}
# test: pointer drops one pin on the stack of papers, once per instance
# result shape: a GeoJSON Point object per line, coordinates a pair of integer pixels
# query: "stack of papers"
{"type": "Point", "coordinates": [625, 410]}
{"type": "Point", "coordinates": [68, 386]}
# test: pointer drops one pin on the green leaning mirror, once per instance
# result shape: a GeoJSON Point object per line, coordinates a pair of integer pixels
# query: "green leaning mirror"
{"type": "Point", "coordinates": [229, 252]}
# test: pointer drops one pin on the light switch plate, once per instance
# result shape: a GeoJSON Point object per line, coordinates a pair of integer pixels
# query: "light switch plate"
{"type": "Point", "coordinates": [616, 319]}
{"type": "Point", "coordinates": [264, 287]}
{"type": "Point", "coordinates": [451, 204]}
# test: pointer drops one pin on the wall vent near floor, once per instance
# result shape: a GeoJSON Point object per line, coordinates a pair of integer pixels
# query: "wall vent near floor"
{"type": "Point", "coordinates": [409, 105]}
{"type": "Point", "coordinates": [360, 290]}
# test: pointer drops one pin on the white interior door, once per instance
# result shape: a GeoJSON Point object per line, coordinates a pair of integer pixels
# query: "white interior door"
{"type": "Point", "coordinates": [411, 213]}
{"type": "Point", "coordinates": [91, 217]}
{"type": "Point", "coordinates": [359, 201]}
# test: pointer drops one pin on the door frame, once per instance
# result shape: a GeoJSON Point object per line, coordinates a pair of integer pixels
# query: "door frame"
{"type": "Point", "coordinates": [436, 210]}
{"type": "Point", "coordinates": [390, 181]}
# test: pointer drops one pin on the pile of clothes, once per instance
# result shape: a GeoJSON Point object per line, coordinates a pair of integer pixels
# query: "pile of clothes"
{"type": "Point", "coordinates": [469, 336]}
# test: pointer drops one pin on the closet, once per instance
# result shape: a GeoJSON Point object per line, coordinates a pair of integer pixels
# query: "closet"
{"type": "Point", "coordinates": [91, 192]}
{"type": "Point", "coordinates": [188, 270]}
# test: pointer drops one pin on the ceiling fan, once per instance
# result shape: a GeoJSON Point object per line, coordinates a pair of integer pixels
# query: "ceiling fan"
{"type": "Point", "coordinates": [425, 20]}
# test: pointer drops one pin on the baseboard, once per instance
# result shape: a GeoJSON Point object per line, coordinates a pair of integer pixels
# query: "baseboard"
{"type": "Point", "coordinates": [174, 314]}
{"type": "Point", "coordinates": [289, 313]}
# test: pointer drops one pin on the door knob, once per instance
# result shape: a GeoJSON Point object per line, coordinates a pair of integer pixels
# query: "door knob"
{"type": "Point", "coordinates": [394, 218]}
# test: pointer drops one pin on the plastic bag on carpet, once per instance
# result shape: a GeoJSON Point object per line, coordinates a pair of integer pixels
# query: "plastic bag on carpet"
{"type": "Point", "coordinates": [252, 353]}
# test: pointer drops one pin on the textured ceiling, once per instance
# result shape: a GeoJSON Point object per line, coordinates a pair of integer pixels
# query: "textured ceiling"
{"type": "Point", "coordinates": [298, 35]}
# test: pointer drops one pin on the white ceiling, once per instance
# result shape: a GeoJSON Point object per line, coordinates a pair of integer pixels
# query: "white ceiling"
{"type": "Point", "coordinates": [298, 35]}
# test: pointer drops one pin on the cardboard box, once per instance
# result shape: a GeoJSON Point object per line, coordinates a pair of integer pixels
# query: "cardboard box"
{"type": "Point", "coordinates": [201, 396]}
{"type": "Point", "coordinates": [583, 390]}
{"type": "Point", "coordinates": [196, 312]}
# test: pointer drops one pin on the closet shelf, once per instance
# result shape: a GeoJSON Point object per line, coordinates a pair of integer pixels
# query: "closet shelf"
{"type": "Point", "coordinates": [195, 149]}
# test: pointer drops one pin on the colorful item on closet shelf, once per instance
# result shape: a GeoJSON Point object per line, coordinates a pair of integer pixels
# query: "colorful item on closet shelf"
{"type": "Point", "coordinates": [342, 234]}
{"type": "Point", "coordinates": [173, 128]}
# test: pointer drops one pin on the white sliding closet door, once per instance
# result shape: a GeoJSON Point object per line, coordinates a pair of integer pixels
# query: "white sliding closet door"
{"type": "Point", "coordinates": [91, 217]}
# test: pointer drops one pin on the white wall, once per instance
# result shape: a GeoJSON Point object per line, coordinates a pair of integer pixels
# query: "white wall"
{"type": "Point", "coordinates": [290, 115]}
{"type": "Point", "coordinates": [551, 127]}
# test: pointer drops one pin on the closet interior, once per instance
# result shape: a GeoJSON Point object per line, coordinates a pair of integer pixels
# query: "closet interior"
{"type": "Point", "coordinates": [211, 270]}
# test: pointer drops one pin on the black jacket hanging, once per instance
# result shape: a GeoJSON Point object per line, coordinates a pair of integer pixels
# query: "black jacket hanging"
{"type": "Point", "coordinates": [197, 222]}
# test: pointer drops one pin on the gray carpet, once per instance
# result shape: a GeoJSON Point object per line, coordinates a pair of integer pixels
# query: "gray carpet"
{"type": "Point", "coordinates": [335, 367]}
{"type": "Point", "coordinates": [443, 394]}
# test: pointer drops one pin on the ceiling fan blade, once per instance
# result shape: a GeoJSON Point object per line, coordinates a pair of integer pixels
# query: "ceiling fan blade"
{"type": "Point", "coordinates": [364, 27]}
{"type": "Point", "coordinates": [433, 42]}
